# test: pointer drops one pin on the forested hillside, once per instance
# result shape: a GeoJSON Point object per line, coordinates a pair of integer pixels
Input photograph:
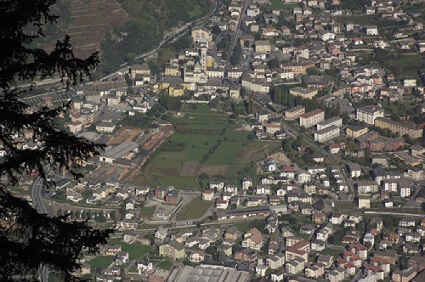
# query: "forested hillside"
{"type": "Point", "coordinates": [149, 19]}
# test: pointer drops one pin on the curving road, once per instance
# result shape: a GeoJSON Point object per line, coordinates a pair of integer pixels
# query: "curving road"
{"type": "Point", "coordinates": [39, 205]}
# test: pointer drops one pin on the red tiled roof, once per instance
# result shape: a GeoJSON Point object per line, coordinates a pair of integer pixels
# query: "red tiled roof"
{"type": "Point", "coordinates": [312, 113]}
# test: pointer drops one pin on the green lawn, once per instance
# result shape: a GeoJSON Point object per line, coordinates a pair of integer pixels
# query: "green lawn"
{"type": "Point", "coordinates": [331, 252]}
{"type": "Point", "coordinates": [135, 251]}
{"type": "Point", "coordinates": [195, 209]}
{"type": "Point", "coordinates": [344, 206]}
{"type": "Point", "coordinates": [101, 262]}
{"type": "Point", "coordinates": [165, 264]}
{"type": "Point", "coordinates": [212, 145]}
{"type": "Point", "coordinates": [196, 108]}
{"type": "Point", "coordinates": [242, 226]}
{"type": "Point", "coordinates": [278, 4]}
{"type": "Point", "coordinates": [406, 65]}
{"type": "Point", "coordinates": [147, 212]}
{"type": "Point", "coordinates": [153, 226]}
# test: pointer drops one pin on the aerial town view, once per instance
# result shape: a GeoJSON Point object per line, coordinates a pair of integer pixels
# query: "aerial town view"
{"type": "Point", "coordinates": [252, 140]}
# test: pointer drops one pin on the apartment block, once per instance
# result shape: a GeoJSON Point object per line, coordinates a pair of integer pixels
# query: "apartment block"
{"type": "Point", "coordinates": [402, 128]}
{"type": "Point", "coordinates": [326, 134]}
{"type": "Point", "coordinates": [369, 114]}
{"type": "Point", "coordinates": [312, 118]}
{"type": "Point", "coordinates": [294, 113]}
{"type": "Point", "coordinates": [335, 121]}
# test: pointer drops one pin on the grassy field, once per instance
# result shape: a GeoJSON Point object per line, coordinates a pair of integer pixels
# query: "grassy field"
{"type": "Point", "coordinates": [147, 212]}
{"type": "Point", "coordinates": [331, 252]}
{"type": "Point", "coordinates": [101, 262]}
{"type": "Point", "coordinates": [135, 251]}
{"type": "Point", "coordinates": [153, 226]}
{"type": "Point", "coordinates": [196, 108]}
{"type": "Point", "coordinates": [165, 264]}
{"type": "Point", "coordinates": [214, 145]}
{"type": "Point", "coordinates": [242, 226]}
{"type": "Point", "coordinates": [195, 209]}
{"type": "Point", "coordinates": [406, 65]}
{"type": "Point", "coordinates": [278, 4]}
{"type": "Point", "coordinates": [344, 206]}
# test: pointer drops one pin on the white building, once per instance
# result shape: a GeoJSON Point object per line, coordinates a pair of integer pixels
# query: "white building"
{"type": "Point", "coordinates": [312, 118]}
{"type": "Point", "coordinates": [326, 134]}
{"type": "Point", "coordinates": [371, 30]}
{"type": "Point", "coordinates": [335, 121]}
{"type": "Point", "coordinates": [369, 114]}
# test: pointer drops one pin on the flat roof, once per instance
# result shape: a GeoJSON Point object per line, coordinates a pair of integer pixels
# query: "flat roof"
{"type": "Point", "coordinates": [120, 150]}
{"type": "Point", "coordinates": [210, 273]}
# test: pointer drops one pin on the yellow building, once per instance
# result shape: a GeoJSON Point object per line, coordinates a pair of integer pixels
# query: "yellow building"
{"type": "Point", "coordinates": [200, 33]}
{"type": "Point", "coordinates": [139, 69]}
{"type": "Point", "coordinates": [172, 70]}
{"type": "Point", "coordinates": [172, 250]}
{"type": "Point", "coordinates": [303, 92]}
{"type": "Point", "coordinates": [294, 113]}
{"type": "Point", "coordinates": [402, 128]}
{"type": "Point", "coordinates": [176, 91]}
{"type": "Point", "coordinates": [356, 131]}
{"type": "Point", "coordinates": [363, 201]}
{"type": "Point", "coordinates": [262, 46]}
{"type": "Point", "coordinates": [298, 68]}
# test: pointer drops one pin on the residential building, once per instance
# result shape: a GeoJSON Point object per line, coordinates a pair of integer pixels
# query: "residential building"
{"type": "Point", "coordinates": [354, 169]}
{"type": "Point", "coordinates": [326, 134]}
{"type": "Point", "coordinates": [262, 46]}
{"type": "Point", "coordinates": [369, 114]}
{"type": "Point", "coordinates": [276, 261]}
{"type": "Point", "coordinates": [208, 195]}
{"type": "Point", "coordinates": [356, 131]}
{"type": "Point", "coordinates": [299, 250]}
{"type": "Point", "coordinates": [294, 113]}
{"type": "Point", "coordinates": [336, 275]}
{"type": "Point", "coordinates": [312, 118]}
{"type": "Point", "coordinates": [295, 266]}
{"type": "Point", "coordinates": [246, 183]}
{"type": "Point", "coordinates": [303, 92]}
{"type": "Point", "coordinates": [403, 275]}
{"type": "Point", "coordinates": [366, 187]}
{"type": "Point", "coordinates": [172, 250]}
{"type": "Point", "coordinates": [253, 239]}
{"type": "Point", "coordinates": [402, 128]}
{"type": "Point", "coordinates": [363, 201]}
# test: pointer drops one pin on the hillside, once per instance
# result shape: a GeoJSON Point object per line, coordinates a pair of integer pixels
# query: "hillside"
{"type": "Point", "coordinates": [119, 29]}
{"type": "Point", "coordinates": [145, 28]}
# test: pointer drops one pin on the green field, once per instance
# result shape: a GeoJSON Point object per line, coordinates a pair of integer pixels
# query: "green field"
{"type": "Point", "coordinates": [101, 262]}
{"type": "Point", "coordinates": [213, 145]}
{"type": "Point", "coordinates": [331, 252]}
{"type": "Point", "coordinates": [195, 209]}
{"type": "Point", "coordinates": [278, 4]}
{"type": "Point", "coordinates": [406, 65]}
{"type": "Point", "coordinates": [165, 264]}
{"type": "Point", "coordinates": [242, 226]}
{"type": "Point", "coordinates": [147, 212]}
{"type": "Point", "coordinates": [196, 108]}
{"type": "Point", "coordinates": [135, 251]}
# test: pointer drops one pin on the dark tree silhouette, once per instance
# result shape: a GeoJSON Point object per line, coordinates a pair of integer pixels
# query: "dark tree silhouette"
{"type": "Point", "coordinates": [29, 240]}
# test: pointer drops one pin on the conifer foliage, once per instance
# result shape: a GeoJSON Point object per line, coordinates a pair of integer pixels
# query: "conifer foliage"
{"type": "Point", "coordinates": [28, 239]}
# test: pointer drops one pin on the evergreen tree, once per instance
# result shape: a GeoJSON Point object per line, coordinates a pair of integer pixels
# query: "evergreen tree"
{"type": "Point", "coordinates": [31, 240]}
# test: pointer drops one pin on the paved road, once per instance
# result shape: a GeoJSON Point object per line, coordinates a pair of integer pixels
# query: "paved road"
{"type": "Point", "coordinates": [38, 203]}
{"type": "Point", "coordinates": [238, 31]}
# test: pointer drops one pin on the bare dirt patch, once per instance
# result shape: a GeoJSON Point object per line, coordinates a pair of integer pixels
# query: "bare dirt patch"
{"type": "Point", "coordinates": [280, 158]}
{"type": "Point", "coordinates": [124, 135]}
{"type": "Point", "coordinates": [189, 169]}
{"type": "Point", "coordinates": [214, 169]}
